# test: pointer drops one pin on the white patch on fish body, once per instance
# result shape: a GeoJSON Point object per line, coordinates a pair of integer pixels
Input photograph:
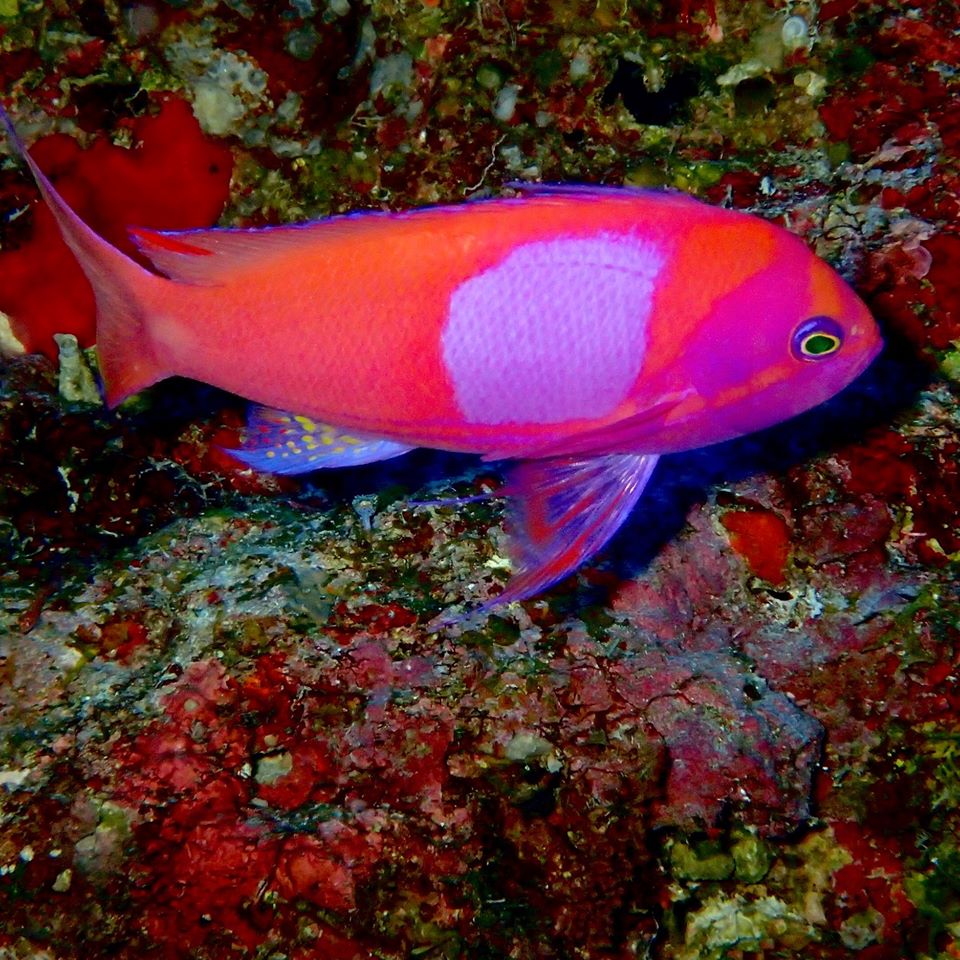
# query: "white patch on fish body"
{"type": "Point", "coordinates": [556, 331]}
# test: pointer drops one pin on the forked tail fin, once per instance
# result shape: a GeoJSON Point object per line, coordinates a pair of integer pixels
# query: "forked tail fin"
{"type": "Point", "coordinates": [122, 289]}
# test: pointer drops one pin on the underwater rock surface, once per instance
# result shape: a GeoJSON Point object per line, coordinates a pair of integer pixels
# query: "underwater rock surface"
{"type": "Point", "coordinates": [225, 729]}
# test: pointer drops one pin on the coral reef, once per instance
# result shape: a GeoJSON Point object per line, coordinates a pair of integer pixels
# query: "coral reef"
{"type": "Point", "coordinates": [225, 729]}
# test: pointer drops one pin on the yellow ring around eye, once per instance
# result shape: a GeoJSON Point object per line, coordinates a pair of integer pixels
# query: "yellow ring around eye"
{"type": "Point", "coordinates": [819, 344]}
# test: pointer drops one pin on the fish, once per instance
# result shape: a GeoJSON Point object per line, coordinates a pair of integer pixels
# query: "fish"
{"type": "Point", "coordinates": [580, 331]}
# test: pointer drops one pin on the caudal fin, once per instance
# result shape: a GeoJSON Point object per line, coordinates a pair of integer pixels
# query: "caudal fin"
{"type": "Point", "coordinates": [122, 289]}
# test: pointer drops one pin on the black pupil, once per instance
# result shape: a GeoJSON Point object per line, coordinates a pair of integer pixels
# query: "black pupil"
{"type": "Point", "coordinates": [819, 343]}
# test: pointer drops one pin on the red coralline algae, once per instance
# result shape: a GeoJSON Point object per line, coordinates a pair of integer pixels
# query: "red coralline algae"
{"type": "Point", "coordinates": [891, 98]}
{"type": "Point", "coordinates": [739, 188]}
{"type": "Point", "coordinates": [199, 816]}
{"type": "Point", "coordinates": [923, 306]}
{"type": "Point", "coordinates": [900, 113]}
{"type": "Point", "coordinates": [312, 776]}
{"type": "Point", "coordinates": [173, 179]}
{"type": "Point", "coordinates": [885, 464]}
{"type": "Point", "coordinates": [944, 277]}
{"type": "Point", "coordinates": [927, 481]}
{"type": "Point", "coordinates": [873, 880]}
{"type": "Point", "coordinates": [763, 539]}
{"type": "Point", "coordinates": [313, 73]}
{"type": "Point", "coordinates": [847, 533]}
{"type": "Point", "coordinates": [325, 869]}
{"type": "Point", "coordinates": [203, 876]}
{"type": "Point", "coordinates": [307, 870]}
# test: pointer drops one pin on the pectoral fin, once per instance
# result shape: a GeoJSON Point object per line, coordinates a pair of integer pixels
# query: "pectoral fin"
{"type": "Point", "coordinates": [278, 442]}
{"type": "Point", "coordinates": [633, 431]}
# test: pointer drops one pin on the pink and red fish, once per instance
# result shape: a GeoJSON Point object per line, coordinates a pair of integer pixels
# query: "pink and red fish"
{"type": "Point", "coordinates": [583, 331]}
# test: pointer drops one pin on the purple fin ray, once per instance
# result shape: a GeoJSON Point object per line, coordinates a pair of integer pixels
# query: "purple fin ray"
{"type": "Point", "coordinates": [599, 191]}
{"type": "Point", "coordinates": [596, 191]}
{"type": "Point", "coordinates": [562, 511]}
{"type": "Point", "coordinates": [279, 442]}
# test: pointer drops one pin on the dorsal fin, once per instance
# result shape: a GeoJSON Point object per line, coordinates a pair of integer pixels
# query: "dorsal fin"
{"type": "Point", "coordinates": [583, 190]}
{"type": "Point", "coordinates": [595, 191]}
{"type": "Point", "coordinates": [207, 256]}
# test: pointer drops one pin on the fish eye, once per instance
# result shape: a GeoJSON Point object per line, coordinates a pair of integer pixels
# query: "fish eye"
{"type": "Point", "coordinates": [817, 344]}
{"type": "Point", "coordinates": [816, 338]}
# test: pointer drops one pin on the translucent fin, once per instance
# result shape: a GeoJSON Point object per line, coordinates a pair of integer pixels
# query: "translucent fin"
{"type": "Point", "coordinates": [206, 257]}
{"type": "Point", "coordinates": [562, 511]}
{"type": "Point", "coordinates": [596, 191]}
{"type": "Point", "coordinates": [278, 442]}
{"type": "Point", "coordinates": [584, 191]}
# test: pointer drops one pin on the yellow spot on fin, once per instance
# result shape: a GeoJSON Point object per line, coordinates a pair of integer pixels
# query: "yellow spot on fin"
{"type": "Point", "coordinates": [304, 444]}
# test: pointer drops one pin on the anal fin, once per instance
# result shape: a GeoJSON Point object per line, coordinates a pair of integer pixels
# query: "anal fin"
{"type": "Point", "coordinates": [279, 442]}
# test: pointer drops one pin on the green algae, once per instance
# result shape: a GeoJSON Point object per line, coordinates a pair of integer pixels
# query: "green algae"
{"type": "Point", "coordinates": [950, 364]}
{"type": "Point", "coordinates": [705, 860]}
{"type": "Point", "coordinates": [934, 888]}
{"type": "Point", "coordinates": [746, 893]}
{"type": "Point", "coordinates": [751, 854]}
{"type": "Point", "coordinates": [726, 923]}
{"type": "Point", "coordinates": [744, 854]}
